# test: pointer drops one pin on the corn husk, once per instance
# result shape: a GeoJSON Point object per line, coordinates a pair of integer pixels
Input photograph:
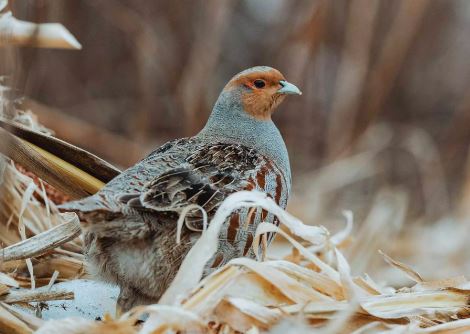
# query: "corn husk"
{"type": "Point", "coordinates": [249, 295]}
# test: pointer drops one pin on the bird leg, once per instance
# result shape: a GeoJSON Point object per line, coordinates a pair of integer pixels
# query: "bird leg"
{"type": "Point", "coordinates": [129, 298]}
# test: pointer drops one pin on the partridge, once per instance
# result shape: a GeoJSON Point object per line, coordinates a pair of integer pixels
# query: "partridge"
{"type": "Point", "coordinates": [129, 227]}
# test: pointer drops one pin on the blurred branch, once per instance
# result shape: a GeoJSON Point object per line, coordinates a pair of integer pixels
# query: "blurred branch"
{"type": "Point", "coordinates": [202, 61]}
{"type": "Point", "coordinates": [428, 160]}
{"type": "Point", "coordinates": [308, 33]}
{"type": "Point", "coordinates": [391, 57]}
{"type": "Point", "coordinates": [145, 46]}
{"type": "Point", "coordinates": [457, 136]}
{"type": "Point", "coordinates": [351, 73]}
{"type": "Point", "coordinates": [463, 208]}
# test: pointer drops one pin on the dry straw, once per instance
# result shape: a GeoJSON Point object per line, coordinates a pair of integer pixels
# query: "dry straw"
{"type": "Point", "coordinates": [44, 35]}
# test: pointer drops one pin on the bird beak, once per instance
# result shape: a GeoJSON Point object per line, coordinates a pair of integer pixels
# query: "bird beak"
{"type": "Point", "coordinates": [288, 88]}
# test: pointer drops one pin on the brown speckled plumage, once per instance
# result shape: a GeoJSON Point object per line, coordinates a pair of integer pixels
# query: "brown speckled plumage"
{"type": "Point", "coordinates": [130, 225]}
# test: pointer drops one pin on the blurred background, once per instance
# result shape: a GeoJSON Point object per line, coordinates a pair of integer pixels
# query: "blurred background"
{"type": "Point", "coordinates": [382, 127]}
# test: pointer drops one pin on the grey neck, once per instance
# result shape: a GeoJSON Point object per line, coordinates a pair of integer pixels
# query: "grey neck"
{"type": "Point", "coordinates": [229, 123]}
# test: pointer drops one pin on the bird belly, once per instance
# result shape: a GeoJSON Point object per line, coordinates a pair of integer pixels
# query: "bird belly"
{"type": "Point", "coordinates": [146, 265]}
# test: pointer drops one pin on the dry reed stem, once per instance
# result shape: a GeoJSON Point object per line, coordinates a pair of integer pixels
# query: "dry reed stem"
{"type": "Point", "coordinates": [44, 35]}
{"type": "Point", "coordinates": [38, 295]}
{"type": "Point", "coordinates": [352, 72]}
{"type": "Point", "coordinates": [391, 56]}
{"type": "Point", "coordinates": [44, 242]}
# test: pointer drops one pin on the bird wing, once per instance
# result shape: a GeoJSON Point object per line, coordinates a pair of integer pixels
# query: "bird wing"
{"type": "Point", "coordinates": [205, 178]}
{"type": "Point", "coordinates": [179, 174]}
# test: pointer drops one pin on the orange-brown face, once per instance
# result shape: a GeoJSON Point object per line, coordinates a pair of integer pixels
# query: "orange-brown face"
{"type": "Point", "coordinates": [262, 91]}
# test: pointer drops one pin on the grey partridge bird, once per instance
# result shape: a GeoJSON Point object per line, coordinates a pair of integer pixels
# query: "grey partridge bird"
{"type": "Point", "coordinates": [129, 226]}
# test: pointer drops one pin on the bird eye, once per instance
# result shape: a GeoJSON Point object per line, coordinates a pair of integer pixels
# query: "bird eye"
{"type": "Point", "coordinates": [259, 83]}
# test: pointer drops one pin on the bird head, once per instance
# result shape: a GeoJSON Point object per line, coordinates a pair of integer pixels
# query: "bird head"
{"type": "Point", "coordinates": [261, 89]}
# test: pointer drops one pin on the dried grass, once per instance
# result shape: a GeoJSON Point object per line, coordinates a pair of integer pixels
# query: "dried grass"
{"type": "Point", "coordinates": [310, 286]}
